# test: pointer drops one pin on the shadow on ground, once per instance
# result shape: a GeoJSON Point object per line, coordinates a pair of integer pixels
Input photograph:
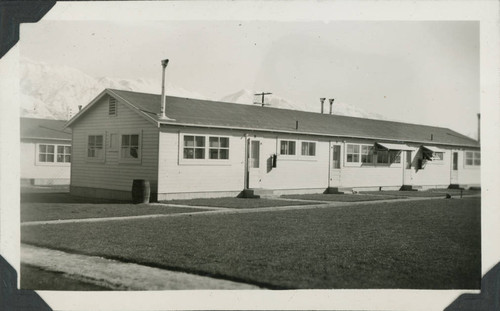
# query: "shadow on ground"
{"type": "Point", "coordinates": [58, 195]}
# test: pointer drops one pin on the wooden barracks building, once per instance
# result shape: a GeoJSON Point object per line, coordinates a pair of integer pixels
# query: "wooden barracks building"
{"type": "Point", "coordinates": [197, 148]}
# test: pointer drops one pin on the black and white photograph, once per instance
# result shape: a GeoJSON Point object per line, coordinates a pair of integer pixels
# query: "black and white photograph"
{"type": "Point", "coordinates": [258, 152]}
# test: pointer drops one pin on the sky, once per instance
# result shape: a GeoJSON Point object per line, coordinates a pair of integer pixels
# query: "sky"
{"type": "Point", "coordinates": [424, 72]}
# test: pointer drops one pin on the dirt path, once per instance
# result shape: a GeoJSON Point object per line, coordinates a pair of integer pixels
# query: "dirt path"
{"type": "Point", "coordinates": [118, 275]}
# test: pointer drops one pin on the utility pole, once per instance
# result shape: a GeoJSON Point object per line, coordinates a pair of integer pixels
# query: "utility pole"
{"type": "Point", "coordinates": [262, 94]}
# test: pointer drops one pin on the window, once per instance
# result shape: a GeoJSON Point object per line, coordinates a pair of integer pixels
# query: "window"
{"type": "Point", "coordinates": [51, 153]}
{"type": "Point", "coordinates": [130, 146]}
{"type": "Point", "coordinates": [394, 156]}
{"type": "Point", "coordinates": [63, 154]}
{"type": "Point", "coordinates": [219, 148]}
{"type": "Point", "coordinates": [472, 158]}
{"type": "Point", "coordinates": [383, 156]}
{"type": "Point", "coordinates": [352, 153]}
{"type": "Point", "coordinates": [287, 147]}
{"type": "Point", "coordinates": [308, 148]}
{"type": "Point", "coordinates": [95, 147]}
{"type": "Point", "coordinates": [194, 147]}
{"type": "Point", "coordinates": [366, 154]}
{"type": "Point", "coordinates": [112, 106]}
{"type": "Point", "coordinates": [437, 156]}
{"type": "Point", "coordinates": [46, 153]}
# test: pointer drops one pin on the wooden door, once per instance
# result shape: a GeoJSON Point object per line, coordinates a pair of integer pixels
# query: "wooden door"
{"type": "Point", "coordinates": [254, 164]}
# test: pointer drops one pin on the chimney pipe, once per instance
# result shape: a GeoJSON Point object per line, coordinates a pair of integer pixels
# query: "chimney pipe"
{"type": "Point", "coordinates": [331, 105]}
{"type": "Point", "coordinates": [322, 100]}
{"type": "Point", "coordinates": [164, 64]}
{"type": "Point", "coordinates": [79, 107]}
{"type": "Point", "coordinates": [479, 127]}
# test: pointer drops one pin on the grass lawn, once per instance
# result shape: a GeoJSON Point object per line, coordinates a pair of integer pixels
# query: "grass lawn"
{"type": "Point", "coordinates": [431, 244]}
{"type": "Point", "coordinates": [236, 202]}
{"type": "Point", "coordinates": [341, 197]}
{"type": "Point", "coordinates": [55, 211]}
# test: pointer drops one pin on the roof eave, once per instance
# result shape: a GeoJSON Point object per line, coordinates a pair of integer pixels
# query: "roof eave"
{"type": "Point", "coordinates": [313, 134]}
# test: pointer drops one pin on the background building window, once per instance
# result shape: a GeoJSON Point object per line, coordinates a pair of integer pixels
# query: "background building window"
{"type": "Point", "coordinates": [95, 146]}
{"type": "Point", "coordinates": [287, 147]}
{"type": "Point", "coordinates": [64, 154]}
{"type": "Point", "coordinates": [130, 146]}
{"type": "Point", "coordinates": [194, 147]}
{"type": "Point", "coordinates": [308, 148]}
{"type": "Point", "coordinates": [46, 153]}
{"type": "Point", "coordinates": [218, 148]}
{"type": "Point", "coordinates": [352, 153]}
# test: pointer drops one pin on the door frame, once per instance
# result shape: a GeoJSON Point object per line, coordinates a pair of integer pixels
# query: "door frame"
{"type": "Point", "coordinates": [248, 151]}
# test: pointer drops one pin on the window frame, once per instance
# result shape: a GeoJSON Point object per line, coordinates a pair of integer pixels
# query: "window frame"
{"type": "Point", "coordinates": [362, 147]}
{"type": "Point", "coordinates": [206, 150]}
{"type": "Point", "coordinates": [475, 156]}
{"type": "Point", "coordinates": [55, 153]}
{"type": "Point", "coordinates": [121, 157]}
{"type": "Point", "coordinates": [103, 154]}
{"type": "Point", "coordinates": [309, 144]}
{"type": "Point", "coordinates": [288, 154]}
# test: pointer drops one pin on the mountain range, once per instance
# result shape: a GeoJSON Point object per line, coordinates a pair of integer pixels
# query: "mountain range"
{"type": "Point", "coordinates": [55, 92]}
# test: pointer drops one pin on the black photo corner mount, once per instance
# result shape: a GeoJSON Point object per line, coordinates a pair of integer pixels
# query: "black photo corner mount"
{"type": "Point", "coordinates": [12, 298]}
{"type": "Point", "coordinates": [12, 13]}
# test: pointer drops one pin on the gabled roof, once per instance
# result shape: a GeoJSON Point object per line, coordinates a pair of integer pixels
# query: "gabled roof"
{"type": "Point", "coordinates": [32, 128]}
{"type": "Point", "coordinates": [204, 113]}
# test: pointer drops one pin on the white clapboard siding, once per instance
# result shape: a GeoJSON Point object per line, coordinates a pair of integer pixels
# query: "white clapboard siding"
{"type": "Point", "coordinates": [467, 174]}
{"type": "Point", "coordinates": [31, 170]}
{"type": "Point", "coordinates": [296, 171]}
{"type": "Point", "coordinates": [183, 176]}
{"type": "Point", "coordinates": [110, 173]}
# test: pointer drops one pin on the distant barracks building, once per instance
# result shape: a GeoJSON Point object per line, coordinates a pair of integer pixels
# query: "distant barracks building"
{"type": "Point", "coordinates": [197, 148]}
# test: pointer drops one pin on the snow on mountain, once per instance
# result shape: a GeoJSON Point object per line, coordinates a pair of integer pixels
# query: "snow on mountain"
{"type": "Point", "coordinates": [339, 108]}
{"type": "Point", "coordinates": [55, 92]}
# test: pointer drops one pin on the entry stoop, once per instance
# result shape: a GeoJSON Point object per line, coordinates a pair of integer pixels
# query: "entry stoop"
{"type": "Point", "coordinates": [410, 188]}
{"type": "Point", "coordinates": [258, 193]}
{"type": "Point", "coordinates": [337, 190]}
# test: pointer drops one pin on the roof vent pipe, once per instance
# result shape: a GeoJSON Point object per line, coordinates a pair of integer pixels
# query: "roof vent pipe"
{"type": "Point", "coordinates": [331, 105]}
{"type": "Point", "coordinates": [164, 64]}
{"type": "Point", "coordinates": [322, 100]}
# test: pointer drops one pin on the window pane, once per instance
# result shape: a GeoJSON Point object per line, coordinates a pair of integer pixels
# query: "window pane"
{"type": "Point", "coordinates": [305, 149]}
{"type": "Point", "coordinates": [134, 140]}
{"type": "Point", "coordinates": [125, 140]}
{"type": "Point", "coordinates": [214, 153]}
{"type": "Point", "coordinates": [477, 161]}
{"type": "Point", "coordinates": [60, 158]}
{"type": "Point", "coordinates": [91, 140]}
{"type": "Point", "coordinates": [43, 148]}
{"type": "Point", "coordinates": [224, 154]}
{"type": "Point", "coordinates": [60, 149]}
{"type": "Point", "coordinates": [67, 158]}
{"type": "Point", "coordinates": [355, 157]}
{"type": "Point", "coordinates": [283, 148]}
{"type": "Point", "coordinates": [350, 148]}
{"type": "Point", "coordinates": [189, 141]}
{"type": "Point", "coordinates": [188, 153]}
{"type": "Point", "coordinates": [134, 152]}
{"type": "Point", "coordinates": [291, 147]}
{"type": "Point", "coordinates": [200, 141]}
{"type": "Point", "coordinates": [50, 158]}
{"type": "Point", "coordinates": [356, 148]}
{"type": "Point", "coordinates": [350, 158]}
{"type": "Point", "coordinates": [224, 142]}
{"type": "Point", "coordinates": [50, 148]}
{"type": "Point", "coordinates": [468, 161]}
{"type": "Point", "coordinates": [214, 142]}
{"type": "Point", "coordinates": [199, 153]}
{"type": "Point", "coordinates": [312, 149]}
{"type": "Point", "coordinates": [67, 149]}
{"type": "Point", "coordinates": [41, 157]}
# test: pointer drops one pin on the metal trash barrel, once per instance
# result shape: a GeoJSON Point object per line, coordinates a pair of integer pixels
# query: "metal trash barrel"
{"type": "Point", "coordinates": [141, 191]}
